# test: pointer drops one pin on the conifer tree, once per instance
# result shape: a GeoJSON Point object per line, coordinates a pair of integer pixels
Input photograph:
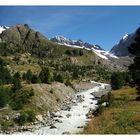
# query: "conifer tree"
{"type": "Point", "coordinates": [134, 49]}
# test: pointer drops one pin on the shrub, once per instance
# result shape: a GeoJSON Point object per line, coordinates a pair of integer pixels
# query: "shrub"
{"type": "Point", "coordinates": [6, 124]}
{"type": "Point", "coordinates": [4, 96]}
{"type": "Point", "coordinates": [35, 79]}
{"type": "Point", "coordinates": [20, 98]}
{"type": "Point", "coordinates": [16, 84]}
{"type": "Point", "coordinates": [59, 78]}
{"type": "Point", "coordinates": [68, 83]}
{"type": "Point", "coordinates": [16, 75]}
{"type": "Point", "coordinates": [29, 75]}
{"type": "Point", "coordinates": [106, 98]}
{"type": "Point", "coordinates": [26, 117]}
{"type": "Point", "coordinates": [46, 75]}
{"type": "Point", "coordinates": [109, 99]}
{"type": "Point", "coordinates": [2, 63]}
{"type": "Point", "coordinates": [5, 76]}
{"type": "Point", "coordinates": [117, 80]}
{"type": "Point", "coordinates": [100, 109]}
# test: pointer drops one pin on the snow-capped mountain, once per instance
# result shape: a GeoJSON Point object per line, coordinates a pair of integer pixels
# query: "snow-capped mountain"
{"type": "Point", "coordinates": [80, 44]}
{"type": "Point", "coordinates": [3, 28]}
{"type": "Point", "coordinates": [121, 48]}
{"type": "Point", "coordinates": [74, 43]}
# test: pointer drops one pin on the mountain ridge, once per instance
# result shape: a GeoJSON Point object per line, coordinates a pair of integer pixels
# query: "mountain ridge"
{"type": "Point", "coordinates": [99, 51]}
{"type": "Point", "coordinates": [121, 48]}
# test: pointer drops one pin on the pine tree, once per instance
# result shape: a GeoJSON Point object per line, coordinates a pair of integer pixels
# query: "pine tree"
{"type": "Point", "coordinates": [59, 78]}
{"type": "Point", "coordinates": [117, 80]}
{"type": "Point", "coordinates": [46, 75]}
{"type": "Point", "coordinates": [134, 49]}
{"type": "Point", "coordinates": [16, 82]}
{"type": "Point", "coordinates": [29, 75]}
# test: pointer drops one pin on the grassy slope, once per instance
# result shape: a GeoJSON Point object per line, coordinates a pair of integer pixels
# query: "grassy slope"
{"type": "Point", "coordinates": [47, 97]}
{"type": "Point", "coordinates": [123, 117]}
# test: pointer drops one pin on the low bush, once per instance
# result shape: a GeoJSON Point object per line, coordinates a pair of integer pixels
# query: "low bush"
{"type": "Point", "coordinates": [4, 96]}
{"type": "Point", "coordinates": [5, 125]}
{"type": "Point", "coordinates": [20, 98]}
{"type": "Point", "coordinates": [26, 117]}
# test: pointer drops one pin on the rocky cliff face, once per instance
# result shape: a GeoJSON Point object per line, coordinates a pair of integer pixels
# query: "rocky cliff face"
{"type": "Point", "coordinates": [121, 49]}
{"type": "Point", "coordinates": [22, 35]}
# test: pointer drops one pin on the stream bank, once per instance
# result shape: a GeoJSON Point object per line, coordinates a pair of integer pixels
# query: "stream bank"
{"type": "Point", "coordinates": [73, 115]}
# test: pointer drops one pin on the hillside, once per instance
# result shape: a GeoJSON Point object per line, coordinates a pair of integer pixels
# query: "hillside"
{"type": "Point", "coordinates": [23, 49]}
{"type": "Point", "coordinates": [37, 75]}
{"type": "Point", "coordinates": [122, 117]}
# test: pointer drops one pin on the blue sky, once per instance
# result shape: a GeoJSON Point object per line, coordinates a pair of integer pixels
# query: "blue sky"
{"type": "Point", "coordinates": [103, 25]}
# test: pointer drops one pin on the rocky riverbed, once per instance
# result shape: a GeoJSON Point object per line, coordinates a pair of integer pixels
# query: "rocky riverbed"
{"type": "Point", "coordinates": [71, 116]}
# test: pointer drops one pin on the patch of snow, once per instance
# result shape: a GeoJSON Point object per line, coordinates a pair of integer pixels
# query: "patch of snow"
{"type": "Point", "coordinates": [110, 54]}
{"type": "Point", "coordinates": [74, 46]}
{"type": "Point", "coordinates": [88, 49]}
{"type": "Point", "coordinates": [61, 38]}
{"type": "Point", "coordinates": [3, 28]}
{"type": "Point", "coordinates": [99, 53]}
{"type": "Point", "coordinates": [96, 47]}
{"type": "Point", "coordinates": [125, 36]}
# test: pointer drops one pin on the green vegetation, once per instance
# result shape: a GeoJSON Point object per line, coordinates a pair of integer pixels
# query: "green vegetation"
{"type": "Point", "coordinates": [5, 125]}
{"type": "Point", "coordinates": [4, 96]}
{"type": "Point", "coordinates": [28, 58]}
{"type": "Point", "coordinates": [75, 52]}
{"type": "Point", "coordinates": [26, 117]}
{"type": "Point", "coordinates": [16, 82]}
{"type": "Point", "coordinates": [21, 98]}
{"type": "Point", "coordinates": [117, 80]}
{"type": "Point", "coordinates": [46, 75]}
{"type": "Point", "coordinates": [59, 78]}
{"type": "Point", "coordinates": [123, 113]}
{"type": "Point", "coordinates": [134, 49]}
{"type": "Point", "coordinates": [121, 117]}
{"type": "Point", "coordinates": [108, 98]}
{"type": "Point", "coordinates": [5, 77]}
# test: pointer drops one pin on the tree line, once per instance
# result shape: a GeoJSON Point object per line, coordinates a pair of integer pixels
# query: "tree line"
{"type": "Point", "coordinates": [132, 77]}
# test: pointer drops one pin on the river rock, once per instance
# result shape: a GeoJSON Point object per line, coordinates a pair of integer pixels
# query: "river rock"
{"type": "Point", "coordinates": [52, 127]}
{"type": "Point", "coordinates": [80, 127]}
{"type": "Point", "coordinates": [39, 118]}
{"type": "Point", "coordinates": [60, 116]}
{"type": "Point", "coordinates": [57, 120]}
{"type": "Point", "coordinates": [104, 104]}
{"type": "Point", "coordinates": [66, 133]}
{"type": "Point", "coordinates": [68, 115]}
{"type": "Point", "coordinates": [6, 118]}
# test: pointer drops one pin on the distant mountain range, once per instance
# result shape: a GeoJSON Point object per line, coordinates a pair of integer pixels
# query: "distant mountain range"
{"type": "Point", "coordinates": [74, 43]}
{"type": "Point", "coordinates": [118, 50]}
{"type": "Point", "coordinates": [61, 40]}
{"type": "Point", "coordinates": [26, 38]}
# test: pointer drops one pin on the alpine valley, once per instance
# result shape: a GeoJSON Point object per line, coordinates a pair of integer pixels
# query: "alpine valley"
{"type": "Point", "coordinates": [52, 86]}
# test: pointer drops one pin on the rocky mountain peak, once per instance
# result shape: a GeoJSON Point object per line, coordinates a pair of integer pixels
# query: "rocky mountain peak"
{"type": "Point", "coordinates": [75, 43]}
{"type": "Point", "coordinates": [121, 48]}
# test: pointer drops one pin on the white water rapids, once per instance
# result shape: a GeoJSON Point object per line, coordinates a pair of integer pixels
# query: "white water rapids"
{"type": "Point", "coordinates": [72, 120]}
